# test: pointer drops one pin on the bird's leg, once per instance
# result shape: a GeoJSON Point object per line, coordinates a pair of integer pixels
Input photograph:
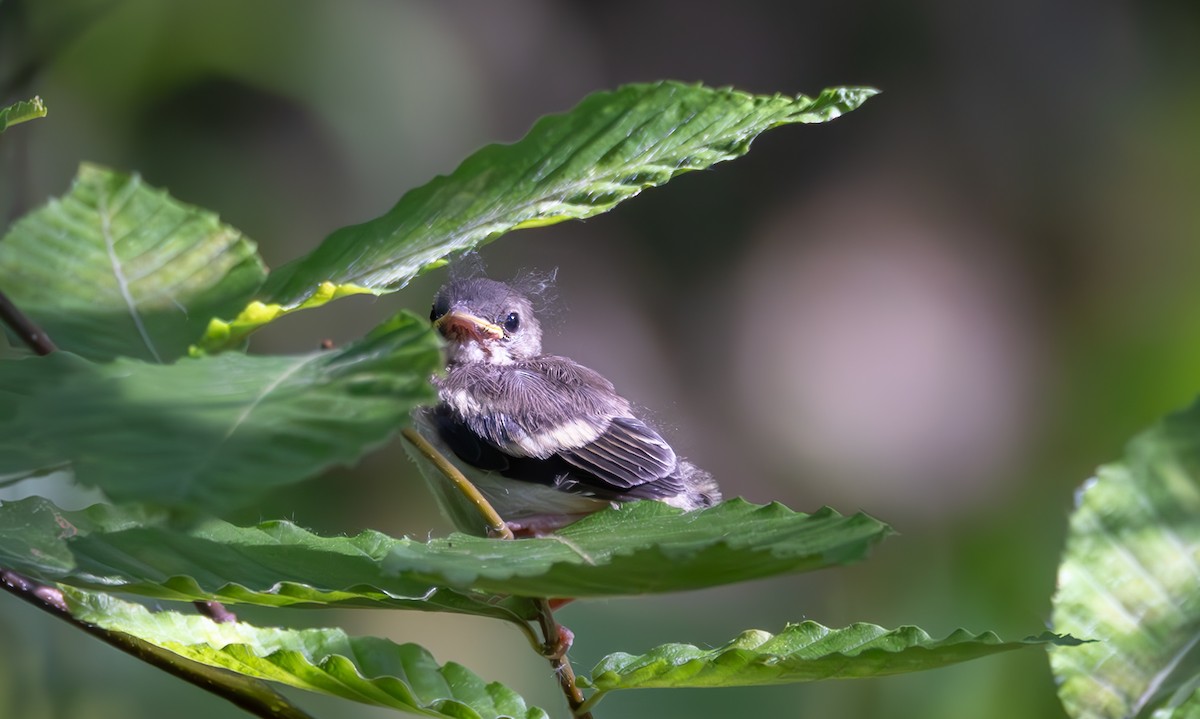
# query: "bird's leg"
{"type": "Point", "coordinates": [557, 638]}
{"type": "Point", "coordinates": [559, 648]}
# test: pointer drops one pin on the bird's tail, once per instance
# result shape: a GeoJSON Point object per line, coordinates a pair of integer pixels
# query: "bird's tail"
{"type": "Point", "coordinates": [702, 489]}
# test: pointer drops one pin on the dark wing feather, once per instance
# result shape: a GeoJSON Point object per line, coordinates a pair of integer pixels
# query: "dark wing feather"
{"type": "Point", "coordinates": [552, 421]}
{"type": "Point", "coordinates": [533, 407]}
{"type": "Point", "coordinates": [627, 454]}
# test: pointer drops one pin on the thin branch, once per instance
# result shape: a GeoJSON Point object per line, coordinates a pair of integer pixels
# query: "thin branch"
{"type": "Point", "coordinates": [250, 694]}
{"type": "Point", "coordinates": [496, 526]}
{"type": "Point", "coordinates": [556, 639]}
{"type": "Point", "coordinates": [557, 642]}
{"type": "Point", "coordinates": [24, 328]}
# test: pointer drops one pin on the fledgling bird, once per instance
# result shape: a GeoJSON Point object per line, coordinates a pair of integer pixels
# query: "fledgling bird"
{"type": "Point", "coordinates": [544, 439]}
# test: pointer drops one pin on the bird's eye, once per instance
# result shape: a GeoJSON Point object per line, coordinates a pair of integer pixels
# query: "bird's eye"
{"type": "Point", "coordinates": [512, 322]}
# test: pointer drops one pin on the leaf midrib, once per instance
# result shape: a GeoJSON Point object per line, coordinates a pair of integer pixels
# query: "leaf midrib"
{"type": "Point", "coordinates": [118, 270]}
{"type": "Point", "coordinates": [521, 209]}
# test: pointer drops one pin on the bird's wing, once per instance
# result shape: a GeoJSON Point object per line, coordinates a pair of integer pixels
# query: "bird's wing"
{"type": "Point", "coordinates": [553, 421]}
{"type": "Point", "coordinates": [627, 454]}
{"type": "Point", "coordinates": [534, 408]}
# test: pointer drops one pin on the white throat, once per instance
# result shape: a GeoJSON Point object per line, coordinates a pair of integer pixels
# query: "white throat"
{"type": "Point", "coordinates": [472, 351]}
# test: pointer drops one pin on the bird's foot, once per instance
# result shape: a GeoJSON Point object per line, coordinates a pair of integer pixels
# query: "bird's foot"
{"type": "Point", "coordinates": [558, 649]}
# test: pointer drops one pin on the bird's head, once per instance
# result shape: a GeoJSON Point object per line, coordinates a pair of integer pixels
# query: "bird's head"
{"type": "Point", "coordinates": [485, 321]}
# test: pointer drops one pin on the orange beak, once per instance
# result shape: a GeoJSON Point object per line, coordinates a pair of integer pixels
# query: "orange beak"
{"type": "Point", "coordinates": [462, 326]}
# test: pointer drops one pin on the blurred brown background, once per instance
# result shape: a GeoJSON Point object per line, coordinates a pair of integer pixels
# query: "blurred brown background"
{"type": "Point", "coordinates": [944, 309]}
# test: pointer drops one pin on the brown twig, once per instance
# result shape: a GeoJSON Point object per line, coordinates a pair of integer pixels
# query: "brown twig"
{"type": "Point", "coordinates": [557, 642]}
{"type": "Point", "coordinates": [556, 639]}
{"type": "Point", "coordinates": [24, 328]}
{"type": "Point", "coordinates": [250, 694]}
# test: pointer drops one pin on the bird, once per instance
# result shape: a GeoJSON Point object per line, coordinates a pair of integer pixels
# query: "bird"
{"type": "Point", "coordinates": [546, 440]}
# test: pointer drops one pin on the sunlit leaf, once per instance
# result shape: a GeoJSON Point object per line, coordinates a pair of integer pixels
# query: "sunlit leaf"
{"type": "Point", "coordinates": [369, 670]}
{"type": "Point", "coordinates": [116, 268]}
{"type": "Point", "coordinates": [578, 164]}
{"type": "Point", "coordinates": [1130, 578]}
{"type": "Point", "coordinates": [23, 111]}
{"type": "Point", "coordinates": [213, 432]}
{"type": "Point", "coordinates": [801, 653]}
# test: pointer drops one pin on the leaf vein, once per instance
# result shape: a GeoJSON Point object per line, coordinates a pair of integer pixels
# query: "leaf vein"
{"type": "Point", "coordinates": [119, 274]}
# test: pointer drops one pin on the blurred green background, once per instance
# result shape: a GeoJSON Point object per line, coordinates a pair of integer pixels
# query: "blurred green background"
{"type": "Point", "coordinates": [944, 309]}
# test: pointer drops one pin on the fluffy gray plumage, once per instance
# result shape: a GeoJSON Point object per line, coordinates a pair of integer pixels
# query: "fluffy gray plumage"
{"type": "Point", "coordinates": [547, 440]}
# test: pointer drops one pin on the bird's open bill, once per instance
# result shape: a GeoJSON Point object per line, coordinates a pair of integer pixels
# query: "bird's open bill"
{"type": "Point", "coordinates": [460, 326]}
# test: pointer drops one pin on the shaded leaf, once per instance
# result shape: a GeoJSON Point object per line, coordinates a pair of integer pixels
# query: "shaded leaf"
{"type": "Point", "coordinates": [116, 268]}
{"type": "Point", "coordinates": [369, 670]}
{"type": "Point", "coordinates": [801, 653]}
{"type": "Point", "coordinates": [1130, 578]}
{"type": "Point", "coordinates": [23, 111]}
{"type": "Point", "coordinates": [134, 550]}
{"type": "Point", "coordinates": [644, 547]}
{"type": "Point", "coordinates": [212, 432]}
{"type": "Point", "coordinates": [578, 164]}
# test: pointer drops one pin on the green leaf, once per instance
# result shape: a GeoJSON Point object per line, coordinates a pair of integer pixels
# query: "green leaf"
{"type": "Point", "coordinates": [369, 670]}
{"type": "Point", "coordinates": [801, 653]}
{"type": "Point", "coordinates": [20, 112]}
{"type": "Point", "coordinates": [116, 268]}
{"type": "Point", "coordinates": [134, 550]}
{"type": "Point", "coordinates": [609, 148]}
{"type": "Point", "coordinates": [213, 432]}
{"type": "Point", "coordinates": [645, 547]}
{"type": "Point", "coordinates": [253, 695]}
{"type": "Point", "coordinates": [1130, 577]}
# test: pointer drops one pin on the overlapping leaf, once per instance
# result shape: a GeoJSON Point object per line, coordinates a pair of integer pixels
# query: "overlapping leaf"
{"type": "Point", "coordinates": [212, 432]}
{"type": "Point", "coordinates": [584, 162]}
{"type": "Point", "coordinates": [646, 547]}
{"type": "Point", "coordinates": [1130, 578]}
{"type": "Point", "coordinates": [116, 268]}
{"type": "Point", "coordinates": [134, 550]}
{"type": "Point", "coordinates": [801, 653]}
{"type": "Point", "coordinates": [369, 670]}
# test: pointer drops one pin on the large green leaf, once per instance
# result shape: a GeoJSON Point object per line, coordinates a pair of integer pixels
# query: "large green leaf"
{"type": "Point", "coordinates": [800, 653]}
{"type": "Point", "coordinates": [370, 670]}
{"type": "Point", "coordinates": [645, 547]}
{"type": "Point", "coordinates": [1130, 578]}
{"type": "Point", "coordinates": [584, 162]}
{"type": "Point", "coordinates": [276, 564]}
{"type": "Point", "coordinates": [212, 432]}
{"type": "Point", "coordinates": [19, 112]}
{"type": "Point", "coordinates": [116, 268]}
